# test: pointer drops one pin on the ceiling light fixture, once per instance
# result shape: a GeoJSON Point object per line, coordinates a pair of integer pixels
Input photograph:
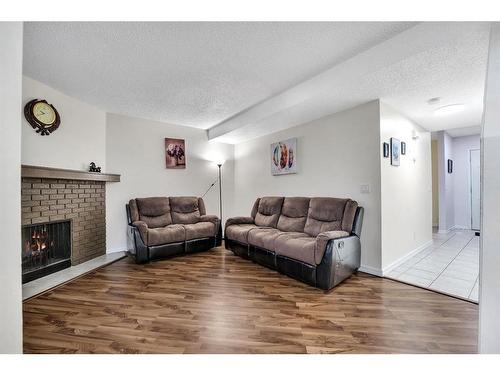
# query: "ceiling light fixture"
{"type": "Point", "coordinates": [449, 109]}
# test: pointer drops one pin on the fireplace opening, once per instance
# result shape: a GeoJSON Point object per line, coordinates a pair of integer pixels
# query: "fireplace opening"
{"type": "Point", "coordinates": [46, 248]}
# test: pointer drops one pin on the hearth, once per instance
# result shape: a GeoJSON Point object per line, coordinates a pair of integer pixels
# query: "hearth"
{"type": "Point", "coordinates": [46, 248]}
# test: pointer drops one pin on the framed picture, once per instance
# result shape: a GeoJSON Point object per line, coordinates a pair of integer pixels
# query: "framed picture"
{"type": "Point", "coordinates": [395, 151]}
{"type": "Point", "coordinates": [450, 166]}
{"type": "Point", "coordinates": [284, 157]}
{"type": "Point", "coordinates": [403, 148]}
{"type": "Point", "coordinates": [175, 153]}
{"type": "Point", "coordinates": [386, 149]}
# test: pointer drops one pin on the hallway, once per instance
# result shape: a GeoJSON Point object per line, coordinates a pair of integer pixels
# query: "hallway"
{"type": "Point", "coordinates": [450, 265]}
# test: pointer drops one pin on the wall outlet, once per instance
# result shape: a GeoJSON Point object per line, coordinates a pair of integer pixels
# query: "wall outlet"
{"type": "Point", "coordinates": [364, 189]}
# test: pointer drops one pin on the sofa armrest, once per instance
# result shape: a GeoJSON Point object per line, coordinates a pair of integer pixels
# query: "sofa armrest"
{"type": "Point", "coordinates": [239, 220]}
{"type": "Point", "coordinates": [322, 240]}
{"type": "Point", "coordinates": [143, 229]}
{"type": "Point", "coordinates": [341, 259]}
{"type": "Point", "coordinates": [211, 219]}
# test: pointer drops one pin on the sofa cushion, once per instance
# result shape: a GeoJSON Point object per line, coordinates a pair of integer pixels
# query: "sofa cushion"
{"type": "Point", "coordinates": [185, 210]}
{"type": "Point", "coordinates": [325, 214]}
{"type": "Point", "coordinates": [255, 208]}
{"type": "Point", "coordinates": [239, 232]}
{"type": "Point", "coordinates": [264, 237]}
{"type": "Point", "coordinates": [293, 214]}
{"type": "Point", "coordinates": [269, 211]}
{"type": "Point", "coordinates": [155, 212]}
{"type": "Point", "coordinates": [201, 207]}
{"type": "Point", "coordinates": [169, 234]}
{"type": "Point", "coordinates": [199, 230]}
{"type": "Point", "coordinates": [349, 213]}
{"type": "Point", "coordinates": [298, 246]}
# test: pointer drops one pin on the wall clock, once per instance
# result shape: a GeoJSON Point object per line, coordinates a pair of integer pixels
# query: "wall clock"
{"type": "Point", "coordinates": [42, 116]}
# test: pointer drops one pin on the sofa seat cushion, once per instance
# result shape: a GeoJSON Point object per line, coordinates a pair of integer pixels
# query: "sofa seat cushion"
{"type": "Point", "coordinates": [200, 230]}
{"type": "Point", "coordinates": [239, 232]}
{"type": "Point", "coordinates": [264, 237]}
{"type": "Point", "coordinates": [298, 246]}
{"type": "Point", "coordinates": [169, 234]}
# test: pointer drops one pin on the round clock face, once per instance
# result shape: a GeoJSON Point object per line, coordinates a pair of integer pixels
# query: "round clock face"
{"type": "Point", "coordinates": [42, 116]}
{"type": "Point", "coordinates": [44, 113]}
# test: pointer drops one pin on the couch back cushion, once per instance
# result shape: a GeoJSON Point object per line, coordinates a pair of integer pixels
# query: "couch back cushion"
{"type": "Point", "coordinates": [325, 214]}
{"type": "Point", "coordinates": [349, 214]}
{"type": "Point", "coordinates": [255, 208]}
{"type": "Point", "coordinates": [155, 212]}
{"type": "Point", "coordinates": [185, 210]}
{"type": "Point", "coordinates": [268, 211]}
{"type": "Point", "coordinates": [293, 214]}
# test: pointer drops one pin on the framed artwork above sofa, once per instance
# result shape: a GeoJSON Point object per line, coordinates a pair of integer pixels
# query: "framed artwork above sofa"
{"type": "Point", "coordinates": [284, 157]}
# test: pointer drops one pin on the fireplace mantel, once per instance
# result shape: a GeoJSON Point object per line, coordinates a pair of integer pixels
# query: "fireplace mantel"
{"type": "Point", "coordinates": [34, 171]}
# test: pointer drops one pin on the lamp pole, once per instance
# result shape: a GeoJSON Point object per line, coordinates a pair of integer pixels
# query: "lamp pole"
{"type": "Point", "coordinates": [220, 191]}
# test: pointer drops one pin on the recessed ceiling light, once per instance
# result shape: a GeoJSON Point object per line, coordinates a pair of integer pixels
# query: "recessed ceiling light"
{"type": "Point", "coordinates": [449, 109]}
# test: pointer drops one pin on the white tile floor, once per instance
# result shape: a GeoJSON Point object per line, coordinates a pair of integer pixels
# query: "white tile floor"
{"type": "Point", "coordinates": [450, 265]}
{"type": "Point", "coordinates": [45, 283]}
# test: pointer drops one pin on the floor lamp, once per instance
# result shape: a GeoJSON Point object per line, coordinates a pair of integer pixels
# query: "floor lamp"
{"type": "Point", "coordinates": [219, 181]}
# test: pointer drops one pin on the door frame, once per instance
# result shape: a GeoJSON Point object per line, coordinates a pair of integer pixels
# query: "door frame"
{"type": "Point", "coordinates": [470, 187]}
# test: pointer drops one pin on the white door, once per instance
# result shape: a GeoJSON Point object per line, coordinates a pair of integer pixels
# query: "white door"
{"type": "Point", "coordinates": [475, 189]}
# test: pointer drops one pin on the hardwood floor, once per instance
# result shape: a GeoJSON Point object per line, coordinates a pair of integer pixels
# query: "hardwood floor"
{"type": "Point", "coordinates": [215, 302]}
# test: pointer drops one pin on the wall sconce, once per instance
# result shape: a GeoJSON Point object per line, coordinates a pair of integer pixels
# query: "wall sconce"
{"type": "Point", "coordinates": [403, 148]}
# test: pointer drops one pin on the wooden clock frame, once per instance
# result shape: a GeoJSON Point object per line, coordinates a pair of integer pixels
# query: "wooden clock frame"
{"type": "Point", "coordinates": [40, 127]}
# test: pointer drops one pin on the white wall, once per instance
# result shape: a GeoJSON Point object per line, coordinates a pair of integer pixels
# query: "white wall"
{"type": "Point", "coordinates": [435, 183]}
{"type": "Point", "coordinates": [489, 281]}
{"type": "Point", "coordinates": [461, 179]}
{"type": "Point", "coordinates": [11, 40]}
{"type": "Point", "coordinates": [79, 140]}
{"type": "Point", "coordinates": [446, 186]}
{"type": "Point", "coordinates": [406, 190]}
{"type": "Point", "coordinates": [336, 154]}
{"type": "Point", "coordinates": [135, 149]}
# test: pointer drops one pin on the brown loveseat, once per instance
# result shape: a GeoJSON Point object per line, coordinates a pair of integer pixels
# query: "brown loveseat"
{"type": "Point", "coordinates": [315, 240]}
{"type": "Point", "coordinates": [165, 226]}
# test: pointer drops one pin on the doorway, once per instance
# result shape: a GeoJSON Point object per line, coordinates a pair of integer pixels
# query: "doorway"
{"type": "Point", "coordinates": [450, 263]}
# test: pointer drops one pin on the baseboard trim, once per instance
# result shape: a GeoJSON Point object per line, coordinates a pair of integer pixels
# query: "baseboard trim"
{"type": "Point", "coordinates": [371, 270]}
{"type": "Point", "coordinates": [400, 261]}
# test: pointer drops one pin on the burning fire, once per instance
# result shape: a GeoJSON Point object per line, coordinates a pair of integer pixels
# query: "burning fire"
{"type": "Point", "coordinates": [39, 241]}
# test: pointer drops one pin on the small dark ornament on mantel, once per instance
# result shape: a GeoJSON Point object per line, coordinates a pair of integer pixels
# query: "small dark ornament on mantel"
{"type": "Point", "coordinates": [93, 168]}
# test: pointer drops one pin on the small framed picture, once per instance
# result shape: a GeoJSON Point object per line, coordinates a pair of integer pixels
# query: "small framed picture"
{"type": "Point", "coordinates": [386, 149]}
{"type": "Point", "coordinates": [395, 151]}
{"type": "Point", "coordinates": [403, 148]}
{"type": "Point", "coordinates": [450, 166]}
{"type": "Point", "coordinates": [175, 153]}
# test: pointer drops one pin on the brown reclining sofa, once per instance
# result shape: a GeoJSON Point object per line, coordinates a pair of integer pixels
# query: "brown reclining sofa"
{"type": "Point", "coordinates": [162, 227]}
{"type": "Point", "coordinates": [315, 240]}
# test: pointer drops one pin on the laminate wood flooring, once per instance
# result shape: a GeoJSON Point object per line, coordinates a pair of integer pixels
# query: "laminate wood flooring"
{"type": "Point", "coordinates": [216, 302]}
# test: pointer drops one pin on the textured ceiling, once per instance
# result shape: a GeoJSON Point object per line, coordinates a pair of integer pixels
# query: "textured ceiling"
{"type": "Point", "coordinates": [446, 60]}
{"type": "Point", "coordinates": [194, 74]}
{"type": "Point", "coordinates": [244, 80]}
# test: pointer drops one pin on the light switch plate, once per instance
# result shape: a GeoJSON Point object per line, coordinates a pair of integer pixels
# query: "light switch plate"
{"type": "Point", "coordinates": [364, 189]}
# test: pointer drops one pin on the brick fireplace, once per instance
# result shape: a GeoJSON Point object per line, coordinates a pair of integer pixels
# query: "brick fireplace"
{"type": "Point", "coordinates": [64, 197]}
